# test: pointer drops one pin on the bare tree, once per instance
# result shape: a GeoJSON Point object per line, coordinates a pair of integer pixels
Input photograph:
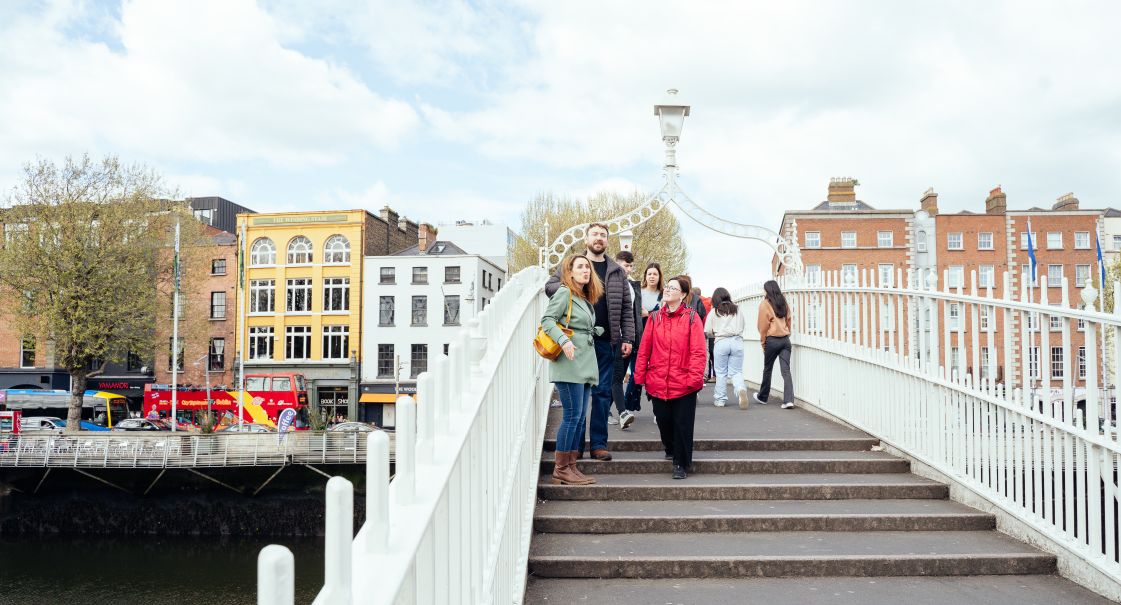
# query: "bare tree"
{"type": "Point", "coordinates": [657, 240]}
{"type": "Point", "coordinates": [85, 263]}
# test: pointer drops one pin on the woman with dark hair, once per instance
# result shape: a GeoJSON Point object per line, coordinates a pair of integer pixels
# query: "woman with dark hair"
{"type": "Point", "coordinates": [726, 326]}
{"type": "Point", "coordinates": [774, 334]}
{"type": "Point", "coordinates": [649, 295]}
{"type": "Point", "coordinates": [671, 365]}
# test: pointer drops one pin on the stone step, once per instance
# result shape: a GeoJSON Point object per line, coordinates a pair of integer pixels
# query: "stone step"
{"type": "Point", "coordinates": [745, 462]}
{"type": "Point", "coordinates": [705, 445]}
{"type": "Point", "coordinates": [775, 554]}
{"type": "Point", "coordinates": [747, 487]}
{"type": "Point", "coordinates": [663, 516]}
{"type": "Point", "coordinates": [912, 590]}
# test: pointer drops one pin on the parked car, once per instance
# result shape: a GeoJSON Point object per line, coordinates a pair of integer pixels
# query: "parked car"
{"type": "Point", "coordinates": [141, 424]}
{"type": "Point", "coordinates": [353, 427]}
{"type": "Point", "coordinates": [53, 424]}
{"type": "Point", "coordinates": [250, 427]}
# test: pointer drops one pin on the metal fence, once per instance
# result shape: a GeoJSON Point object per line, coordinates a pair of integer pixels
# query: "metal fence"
{"type": "Point", "coordinates": [1013, 396]}
{"type": "Point", "coordinates": [164, 450]}
{"type": "Point", "coordinates": [454, 525]}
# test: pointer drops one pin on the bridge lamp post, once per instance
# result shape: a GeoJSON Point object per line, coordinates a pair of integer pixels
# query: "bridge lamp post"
{"type": "Point", "coordinates": [671, 119]}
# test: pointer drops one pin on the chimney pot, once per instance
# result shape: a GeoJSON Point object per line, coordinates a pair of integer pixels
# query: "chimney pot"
{"type": "Point", "coordinates": [997, 202]}
{"type": "Point", "coordinates": [842, 190]}
{"type": "Point", "coordinates": [1066, 202]}
{"type": "Point", "coordinates": [929, 202]}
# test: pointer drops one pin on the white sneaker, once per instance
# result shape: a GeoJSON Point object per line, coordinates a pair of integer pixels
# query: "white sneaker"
{"type": "Point", "coordinates": [626, 418]}
{"type": "Point", "coordinates": [788, 405]}
{"type": "Point", "coordinates": [718, 404]}
{"type": "Point", "coordinates": [612, 420]}
{"type": "Point", "coordinates": [756, 397]}
{"type": "Point", "coordinates": [742, 393]}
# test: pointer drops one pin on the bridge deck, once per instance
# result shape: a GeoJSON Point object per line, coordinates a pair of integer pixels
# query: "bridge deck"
{"type": "Point", "coordinates": [785, 507]}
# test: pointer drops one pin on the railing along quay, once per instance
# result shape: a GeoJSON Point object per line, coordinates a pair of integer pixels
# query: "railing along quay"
{"type": "Point", "coordinates": [134, 450]}
{"type": "Point", "coordinates": [1012, 396]}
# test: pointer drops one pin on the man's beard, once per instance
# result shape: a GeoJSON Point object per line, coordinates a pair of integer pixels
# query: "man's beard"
{"type": "Point", "coordinates": [597, 248]}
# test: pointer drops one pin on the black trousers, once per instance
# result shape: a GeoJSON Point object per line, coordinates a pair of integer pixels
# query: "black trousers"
{"type": "Point", "coordinates": [777, 348]}
{"type": "Point", "coordinates": [675, 423]}
{"type": "Point", "coordinates": [621, 364]}
{"type": "Point", "coordinates": [710, 368]}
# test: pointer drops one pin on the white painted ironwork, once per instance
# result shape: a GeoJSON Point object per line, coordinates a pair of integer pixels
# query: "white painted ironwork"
{"type": "Point", "coordinates": [455, 523]}
{"type": "Point", "coordinates": [140, 450]}
{"type": "Point", "coordinates": [917, 366]}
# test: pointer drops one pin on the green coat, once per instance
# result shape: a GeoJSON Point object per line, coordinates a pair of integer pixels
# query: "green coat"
{"type": "Point", "coordinates": [584, 369]}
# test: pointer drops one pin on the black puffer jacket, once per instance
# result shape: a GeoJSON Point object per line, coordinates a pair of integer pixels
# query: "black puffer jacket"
{"type": "Point", "coordinates": [620, 313]}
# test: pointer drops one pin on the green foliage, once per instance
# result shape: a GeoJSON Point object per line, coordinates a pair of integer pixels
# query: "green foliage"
{"type": "Point", "coordinates": [657, 240]}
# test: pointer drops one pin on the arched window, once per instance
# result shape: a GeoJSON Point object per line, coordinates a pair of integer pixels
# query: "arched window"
{"type": "Point", "coordinates": [299, 251]}
{"type": "Point", "coordinates": [336, 250]}
{"type": "Point", "coordinates": [262, 252]}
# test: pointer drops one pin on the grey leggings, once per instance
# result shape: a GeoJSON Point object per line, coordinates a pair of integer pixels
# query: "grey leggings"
{"type": "Point", "coordinates": [777, 347]}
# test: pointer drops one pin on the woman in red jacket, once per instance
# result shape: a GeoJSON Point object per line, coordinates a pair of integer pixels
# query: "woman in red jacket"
{"type": "Point", "coordinates": [671, 365]}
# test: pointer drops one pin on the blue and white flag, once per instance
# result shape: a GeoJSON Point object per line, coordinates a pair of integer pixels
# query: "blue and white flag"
{"type": "Point", "coordinates": [1101, 263]}
{"type": "Point", "coordinates": [1031, 253]}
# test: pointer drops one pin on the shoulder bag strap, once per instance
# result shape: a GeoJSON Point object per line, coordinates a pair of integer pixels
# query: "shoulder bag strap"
{"type": "Point", "coordinates": [568, 320]}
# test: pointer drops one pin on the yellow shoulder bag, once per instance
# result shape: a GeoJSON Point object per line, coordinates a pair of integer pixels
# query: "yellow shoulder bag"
{"type": "Point", "coordinates": [545, 345]}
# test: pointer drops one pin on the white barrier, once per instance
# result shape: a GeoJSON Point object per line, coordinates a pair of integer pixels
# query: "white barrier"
{"type": "Point", "coordinates": [454, 525]}
{"type": "Point", "coordinates": [1005, 397]}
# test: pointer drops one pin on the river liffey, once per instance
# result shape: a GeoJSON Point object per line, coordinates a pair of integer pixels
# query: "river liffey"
{"type": "Point", "coordinates": [145, 570]}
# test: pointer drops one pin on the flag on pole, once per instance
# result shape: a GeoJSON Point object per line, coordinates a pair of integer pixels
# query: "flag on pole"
{"type": "Point", "coordinates": [1101, 263]}
{"type": "Point", "coordinates": [175, 260]}
{"type": "Point", "coordinates": [1031, 252]}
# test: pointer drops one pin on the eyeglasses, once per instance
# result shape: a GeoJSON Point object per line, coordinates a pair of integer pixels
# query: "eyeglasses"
{"type": "Point", "coordinates": [671, 289]}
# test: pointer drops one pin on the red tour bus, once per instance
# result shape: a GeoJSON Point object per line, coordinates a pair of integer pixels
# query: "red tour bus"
{"type": "Point", "coordinates": [265, 396]}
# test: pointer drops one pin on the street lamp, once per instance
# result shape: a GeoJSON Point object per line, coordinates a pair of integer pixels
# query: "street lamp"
{"type": "Point", "coordinates": [671, 119]}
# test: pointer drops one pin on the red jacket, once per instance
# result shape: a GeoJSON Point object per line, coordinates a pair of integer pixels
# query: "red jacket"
{"type": "Point", "coordinates": [671, 355]}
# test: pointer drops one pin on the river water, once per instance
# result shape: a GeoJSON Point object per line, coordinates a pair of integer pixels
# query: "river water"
{"type": "Point", "coordinates": [103, 570]}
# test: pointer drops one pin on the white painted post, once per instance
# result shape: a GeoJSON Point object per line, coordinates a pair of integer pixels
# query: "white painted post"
{"type": "Point", "coordinates": [276, 576]}
{"type": "Point", "coordinates": [406, 450]}
{"type": "Point", "coordinates": [377, 491]}
{"type": "Point", "coordinates": [337, 543]}
{"type": "Point", "coordinates": [477, 346]}
{"type": "Point", "coordinates": [426, 418]}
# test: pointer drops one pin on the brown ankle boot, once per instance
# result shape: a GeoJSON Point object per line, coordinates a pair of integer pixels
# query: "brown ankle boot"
{"type": "Point", "coordinates": [563, 471]}
{"type": "Point", "coordinates": [576, 469]}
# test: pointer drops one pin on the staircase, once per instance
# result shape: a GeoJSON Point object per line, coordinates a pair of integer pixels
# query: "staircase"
{"type": "Point", "coordinates": [784, 507]}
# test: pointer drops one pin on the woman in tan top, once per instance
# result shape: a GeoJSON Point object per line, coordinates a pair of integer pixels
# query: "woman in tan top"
{"type": "Point", "coordinates": [774, 335]}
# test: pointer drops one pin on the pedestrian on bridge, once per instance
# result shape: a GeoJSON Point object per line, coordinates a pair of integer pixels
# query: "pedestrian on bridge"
{"type": "Point", "coordinates": [627, 406]}
{"type": "Point", "coordinates": [774, 335]}
{"type": "Point", "coordinates": [725, 327]}
{"type": "Point", "coordinates": [671, 365]}
{"type": "Point", "coordinates": [614, 315]}
{"type": "Point", "coordinates": [576, 371]}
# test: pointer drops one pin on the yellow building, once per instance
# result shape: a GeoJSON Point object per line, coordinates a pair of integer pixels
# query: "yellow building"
{"type": "Point", "coordinates": [300, 301]}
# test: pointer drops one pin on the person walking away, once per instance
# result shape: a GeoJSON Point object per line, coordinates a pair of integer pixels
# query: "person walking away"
{"type": "Point", "coordinates": [649, 295]}
{"type": "Point", "coordinates": [614, 316]}
{"type": "Point", "coordinates": [702, 306]}
{"type": "Point", "coordinates": [774, 333]}
{"type": "Point", "coordinates": [576, 370]}
{"type": "Point", "coordinates": [724, 326]}
{"type": "Point", "coordinates": [625, 259]}
{"type": "Point", "coordinates": [671, 365]}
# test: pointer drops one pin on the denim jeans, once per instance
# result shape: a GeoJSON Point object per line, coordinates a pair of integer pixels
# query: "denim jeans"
{"type": "Point", "coordinates": [601, 395]}
{"type": "Point", "coordinates": [728, 358]}
{"type": "Point", "coordinates": [574, 400]}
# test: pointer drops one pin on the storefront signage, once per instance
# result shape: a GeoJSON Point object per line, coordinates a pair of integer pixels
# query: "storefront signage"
{"type": "Point", "coordinates": [286, 220]}
{"type": "Point", "coordinates": [333, 401]}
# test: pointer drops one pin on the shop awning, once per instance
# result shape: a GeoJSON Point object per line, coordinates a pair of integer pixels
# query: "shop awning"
{"type": "Point", "coordinates": [377, 398]}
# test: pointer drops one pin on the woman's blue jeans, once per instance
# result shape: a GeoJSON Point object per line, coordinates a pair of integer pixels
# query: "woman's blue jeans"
{"type": "Point", "coordinates": [574, 401]}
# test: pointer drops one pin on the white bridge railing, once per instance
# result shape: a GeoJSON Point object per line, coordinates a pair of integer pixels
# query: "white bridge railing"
{"type": "Point", "coordinates": [1010, 396]}
{"type": "Point", "coordinates": [455, 523]}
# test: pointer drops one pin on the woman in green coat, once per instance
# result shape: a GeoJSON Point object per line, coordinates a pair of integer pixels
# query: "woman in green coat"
{"type": "Point", "coordinates": [576, 371]}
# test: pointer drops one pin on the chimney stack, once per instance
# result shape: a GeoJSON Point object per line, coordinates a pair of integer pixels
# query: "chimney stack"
{"type": "Point", "coordinates": [426, 235]}
{"type": "Point", "coordinates": [388, 215]}
{"type": "Point", "coordinates": [929, 202]}
{"type": "Point", "coordinates": [842, 190]}
{"type": "Point", "coordinates": [403, 224]}
{"type": "Point", "coordinates": [997, 202]}
{"type": "Point", "coordinates": [1066, 202]}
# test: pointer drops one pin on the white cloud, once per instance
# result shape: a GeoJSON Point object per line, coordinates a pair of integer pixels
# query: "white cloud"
{"type": "Point", "coordinates": [199, 81]}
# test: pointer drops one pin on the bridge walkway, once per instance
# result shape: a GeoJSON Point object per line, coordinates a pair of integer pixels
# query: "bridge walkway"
{"type": "Point", "coordinates": [785, 507]}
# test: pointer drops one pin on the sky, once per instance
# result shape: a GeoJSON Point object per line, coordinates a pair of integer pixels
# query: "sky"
{"type": "Point", "coordinates": [454, 110]}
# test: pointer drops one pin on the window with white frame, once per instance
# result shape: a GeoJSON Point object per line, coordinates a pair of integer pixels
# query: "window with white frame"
{"type": "Point", "coordinates": [885, 239]}
{"type": "Point", "coordinates": [420, 275]}
{"type": "Point", "coordinates": [1056, 362]}
{"type": "Point", "coordinates": [955, 362]}
{"type": "Point", "coordinates": [451, 310]}
{"type": "Point", "coordinates": [1033, 321]}
{"type": "Point", "coordinates": [985, 316]}
{"type": "Point", "coordinates": [388, 275]}
{"type": "Point", "coordinates": [848, 239]}
{"type": "Point", "coordinates": [1029, 279]}
{"type": "Point", "coordinates": [260, 342]}
{"type": "Point", "coordinates": [848, 316]}
{"type": "Point", "coordinates": [262, 252]}
{"type": "Point", "coordinates": [954, 241]}
{"type": "Point", "coordinates": [985, 240]}
{"type": "Point", "coordinates": [336, 342]}
{"type": "Point", "coordinates": [1033, 363]}
{"type": "Point", "coordinates": [297, 342]}
{"type": "Point", "coordinates": [813, 239]}
{"type": "Point", "coordinates": [813, 275]}
{"type": "Point", "coordinates": [1056, 321]}
{"type": "Point", "coordinates": [955, 276]}
{"type": "Point", "coordinates": [451, 275]}
{"type": "Point", "coordinates": [218, 305]}
{"type": "Point", "coordinates": [954, 316]}
{"type": "Point", "coordinates": [848, 273]}
{"type": "Point", "coordinates": [1024, 240]}
{"type": "Point", "coordinates": [1081, 275]}
{"type": "Point", "coordinates": [920, 241]}
{"type": "Point", "coordinates": [385, 311]}
{"type": "Point", "coordinates": [986, 275]}
{"type": "Point", "coordinates": [887, 316]}
{"type": "Point", "coordinates": [1054, 276]}
{"type": "Point", "coordinates": [986, 357]}
{"type": "Point", "coordinates": [336, 294]}
{"type": "Point", "coordinates": [887, 275]}
{"type": "Point", "coordinates": [299, 251]}
{"type": "Point", "coordinates": [262, 295]}
{"type": "Point", "coordinates": [298, 298]}
{"type": "Point", "coordinates": [336, 250]}
{"type": "Point", "coordinates": [1082, 363]}
{"type": "Point", "coordinates": [1081, 322]}
{"type": "Point", "coordinates": [1054, 240]}
{"type": "Point", "coordinates": [27, 352]}
{"type": "Point", "coordinates": [420, 311]}
{"type": "Point", "coordinates": [1081, 240]}
{"type": "Point", "coordinates": [1117, 243]}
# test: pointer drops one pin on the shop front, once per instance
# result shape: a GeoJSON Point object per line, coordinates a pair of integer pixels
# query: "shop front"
{"type": "Point", "coordinates": [332, 387]}
{"type": "Point", "coordinates": [377, 402]}
{"type": "Point", "coordinates": [34, 378]}
{"type": "Point", "coordinates": [130, 387]}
